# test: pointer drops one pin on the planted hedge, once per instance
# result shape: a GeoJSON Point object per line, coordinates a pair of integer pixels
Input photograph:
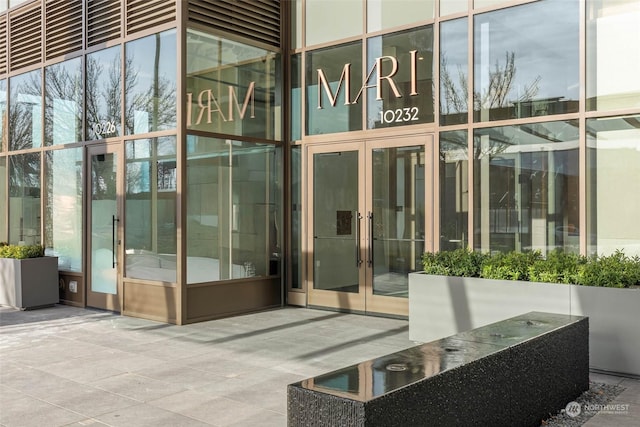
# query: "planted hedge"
{"type": "Point", "coordinates": [616, 270]}
{"type": "Point", "coordinates": [21, 251]}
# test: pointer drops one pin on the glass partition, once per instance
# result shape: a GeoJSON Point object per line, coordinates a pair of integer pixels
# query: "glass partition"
{"type": "Point", "coordinates": [150, 209]}
{"type": "Point", "coordinates": [103, 94]}
{"type": "Point", "coordinates": [232, 88]}
{"type": "Point", "coordinates": [233, 209]}
{"type": "Point", "coordinates": [25, 111]}
{"type": "Point", "coordinates": [613, 56]}
{"type": "Point", "coordinates": [150, 83]}
{"type": "Point", "coordinates": [526, 192]}
{"type": "Point", "coordinates": [383, 14]}
{"type": "Point", "coordinates": [454, 72]}
{"type": "Point", "coordinates": [454, 190]}
{"type": "Point", "coordinates": [63, 210]}
{"type": "Point", "coordinates": [3, 196]}
{"type": "Point", "coordinates": [334, 77]}
{"type": "Point", "coordinates": [526, 61]}
{"type": "Point", "coordinates": [24, 199]}
{"type": "Point", "coordinates": [344, 17]}
{"type": "Point", "coordinates": [400, 78]}
{"type": "Point", "coordinates": [63, 102]}
{"type": "Point", "coordinates": [613, 185]}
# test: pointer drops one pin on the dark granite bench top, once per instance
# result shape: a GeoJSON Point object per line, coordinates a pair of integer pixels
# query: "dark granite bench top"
{"type": "Point", "coordinates": [400, 369]}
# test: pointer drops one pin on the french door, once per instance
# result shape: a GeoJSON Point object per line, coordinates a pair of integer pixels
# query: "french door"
{"type": "Point", "coordinates": [103, 216]}
{"type": "Point", "coordinates": [368, 222]}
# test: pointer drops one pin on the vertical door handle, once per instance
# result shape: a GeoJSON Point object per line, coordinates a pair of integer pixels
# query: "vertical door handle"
{"type": "Point", "coordinates": [358, 258]}
{"type": "Point", "coordinates": [114, 220]}
{"type": "Point", "coordinates": [370, 253]}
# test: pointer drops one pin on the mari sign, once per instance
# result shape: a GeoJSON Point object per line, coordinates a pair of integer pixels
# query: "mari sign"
{"type": "Point", "coordinates": [345, 78]}
{"type": "Point", "coordinates": [207, 103]}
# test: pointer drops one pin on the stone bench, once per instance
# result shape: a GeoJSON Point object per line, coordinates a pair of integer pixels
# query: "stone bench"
{"type": "Point", "coordinates": [514, 372]}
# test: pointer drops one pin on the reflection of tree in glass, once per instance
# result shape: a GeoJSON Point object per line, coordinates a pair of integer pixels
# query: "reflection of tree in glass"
{"type": "Point", "coordinates": [63, 100]}
{"type": "Point", "coordinates": [103, 95]}
{"type": "Point", "coordinates": [25, 99]}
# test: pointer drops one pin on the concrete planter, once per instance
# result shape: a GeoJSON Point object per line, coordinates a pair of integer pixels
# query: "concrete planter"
{"type": "Point", "coordinates": [29, 283]}
{"type": "Point", "coordinates": [440, 306]}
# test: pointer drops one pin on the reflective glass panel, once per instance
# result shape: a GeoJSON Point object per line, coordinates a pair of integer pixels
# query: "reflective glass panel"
{"type": "Point", "coordinates": [454, 72]}
{"type": "Point", "coordinates": [233, 209]}
{"type": "Point", "coordinates": [613, 54]}
{"type": "Point", "coordinates": [150, 208]}
{"type": "Point", "coordinates": [454, 190]}
{"type": "Point", "coordinates": [150, 83]}
{"type": "Point", "coordinates": [3, 115]}
{"type": "Point", "coordinates": [526, 192]}
{"type": "Point", "coordinates": [296, 217]}
{"type": "Point", "coordinates": [3, 196]}
{"type": "Point", "coordinates": [335, 221]}
{"type": "Point", "coordinates": [24, 199]}
{"type": "Point", "coordinates": [343, 17]}
{"type": "Point", "coordinates": [400, 79]}
{"type": "Point", "coordinates": [25, 111]}
{"type": "Point", "coordinates": [296, 97]}
{"type": "Point", "coordinates": [527, 61]}
{"type": "Point", "coordinates": [232, 88]}
{"type": "Point", "coordinates": [397, 223]}
{"type": "Point", "coordinates": [383, 14]}
{"type": "Point", "coordinates": [453, 6]}
{"type": "Point", "coordinates": [103, 94]}
{"type": "Point", "coordinates": [334, 78]}
{"type": "Point", "coordinates": [63, 210]}
{"type": "Point", "coordinates": [613, 185]}
{"type": "Point", "coordinates": [63, 102]}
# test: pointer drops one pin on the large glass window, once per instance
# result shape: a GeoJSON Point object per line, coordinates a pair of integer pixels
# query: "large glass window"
{"type": "Point", "coordinates": [613, 185]}
{"type": "Point", "coordinates": [150, 206]}
{"type": "Point", "coordinates": [296, 97]}
{"type": "Point", "coordinates": [63, 211]}
{"type": "Point", "coordinates": [613, 55]}
{"type": "Point", "coordinates": [400, 78]}
{"type": "Point", "coordinates": [233, 209]}
{"type": "Point", "coordinates": [24, 199]}
{"type": "Point", "coordinates": [150, 83]}
{"type": "Point", "coordinates": [3, 196]}
{"type": "Point", "coordinates": [454, 190]}
{"type": "Point", "coordinates": [527, 61]}
{"type": "Point", "coordinates": [296, 217]}
{"type": "Point", "coordinates": [3, 115]}
{"type": "Point", "coordinates": [25, 111]}
{"type": "Point", "coordinates": [334, 78]}
{"type": "Point", "coordinates": [104, 94]}
{"type": "Point", "coordinates": [454, 74]}
{"type": "Point", "coordinates": [63, 102]}
{"type": "Point", "coordinates": [344, 18]}
{"type": "Point", "coordinates": [382, 14]}
{"type": "Point", "coordinates": [232, 88]}
{"type": "Point", "coordinates": [526, 187]}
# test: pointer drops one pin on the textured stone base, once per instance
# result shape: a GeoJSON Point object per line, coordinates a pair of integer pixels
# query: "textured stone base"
{"type": "Point", "coordinates": [514, 372]}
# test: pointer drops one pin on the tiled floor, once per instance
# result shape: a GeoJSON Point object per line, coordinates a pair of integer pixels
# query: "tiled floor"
{"type": "Point", "coordinates": [70, 366]}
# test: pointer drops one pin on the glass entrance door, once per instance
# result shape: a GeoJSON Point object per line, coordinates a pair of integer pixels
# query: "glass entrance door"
{"type": "Point", "coordinates": [368, 222]}
{"type": "Point", "coordinates": [103, 222]}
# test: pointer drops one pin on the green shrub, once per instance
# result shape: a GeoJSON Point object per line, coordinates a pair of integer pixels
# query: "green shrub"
{"type": "Point", "coordinates": [21, 251]}
{"type": "Point", "coordinates": [616, 270]}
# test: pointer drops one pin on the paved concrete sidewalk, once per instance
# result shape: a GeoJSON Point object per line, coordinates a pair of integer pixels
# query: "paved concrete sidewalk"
{"type": "Point", "coordinates": [69, 366]}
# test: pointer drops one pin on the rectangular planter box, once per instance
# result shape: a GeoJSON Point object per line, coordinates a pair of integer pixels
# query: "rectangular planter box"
{"type": "Point", "coordinates": [440, 306]}
{"type": "Point", "coordinates": [29, 283]}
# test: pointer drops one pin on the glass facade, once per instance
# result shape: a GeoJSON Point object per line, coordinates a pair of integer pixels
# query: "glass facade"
{"type": "Point", "coordinates": [3, 115]}
{"type": "Point", "coordinates": [25, 111]}
{"type": "Point", "coordinates": [63, 102]}
{"type": "Point", "coordinates": [24, 199]}
{"type": "Point", "coordinates": [63, 211]}
{"type": "Point", "coordinates": [233, 210]}
{"type": "Point", "coordinates": [150, 83]}
{"type": "Point", "coordinates": [613, 185]}
{"type": "Point", "coordinates": [3, 196]}
{"type": "Point", "coordinates": [454, 75]}
{"type": "Point", "coordinates": [103, 102]}
{"type": "Point", "coordinates": [454, 190]}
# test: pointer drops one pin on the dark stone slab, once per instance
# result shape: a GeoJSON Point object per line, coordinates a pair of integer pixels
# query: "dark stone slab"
{"type": "Point", "coordinates": [513, 372]}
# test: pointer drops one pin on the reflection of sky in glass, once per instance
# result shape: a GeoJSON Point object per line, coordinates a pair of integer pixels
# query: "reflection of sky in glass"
{"type": "Point", "coordinates": [103, 79]}
{"type": "Point", "coordinates": [454, 50]}
{"type": "Point", "coordinates": [544, 38]}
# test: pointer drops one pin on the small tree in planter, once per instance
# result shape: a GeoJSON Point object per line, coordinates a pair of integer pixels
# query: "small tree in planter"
{"type": "Point", "coordinates": [28, 279]}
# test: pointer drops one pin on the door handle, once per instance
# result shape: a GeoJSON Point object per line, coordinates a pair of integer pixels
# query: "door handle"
{"type": "Point", "coordinates": [358, 258]}
{"type": "Point", "coordinates": [370, 252]}
{"type": "Point", "coordinates": [114, 220]}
